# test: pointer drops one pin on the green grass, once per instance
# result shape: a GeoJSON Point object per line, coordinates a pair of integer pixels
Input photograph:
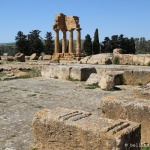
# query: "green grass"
{"type": "Point", "coordinates": [145, 148]}
{"type": "Point", "coordinates": [116, 61]}
{"type": "Point", "coordinates": [72, 79]}
{"type": "Point", "coordinates": [38, 106]}
{"type": "Point", "coordinates": [92, 86]}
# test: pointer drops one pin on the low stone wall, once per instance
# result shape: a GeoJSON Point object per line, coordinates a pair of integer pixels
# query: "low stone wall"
{"type": "Point", "coordinates": [136, 77]}
{"type": "Point", "coordinates": [79, 73]}
{"type": "Point", "coordinates": [74, 129]}
{"type": "Point", "coordinates": [129, 109]}
{"type": "Point", "coordinates": [116, 58]}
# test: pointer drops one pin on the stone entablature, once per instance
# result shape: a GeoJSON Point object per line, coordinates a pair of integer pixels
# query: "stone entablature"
{"type": "Point", "coordinates": [67, 23]}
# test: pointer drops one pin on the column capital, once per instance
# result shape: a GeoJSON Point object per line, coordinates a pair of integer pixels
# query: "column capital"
{"type": "Point", "coordinates": [56, 30]}
{"type": "Point", "coordinates": [78, 29]}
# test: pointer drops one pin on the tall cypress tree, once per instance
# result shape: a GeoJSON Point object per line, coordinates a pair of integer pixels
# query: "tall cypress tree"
{"type": "Point", "coordinates": [96, 45]}
{"type": "Point", "coordinates": [87, 45]}
{"type": "Point", "coordinates": [49, 43]}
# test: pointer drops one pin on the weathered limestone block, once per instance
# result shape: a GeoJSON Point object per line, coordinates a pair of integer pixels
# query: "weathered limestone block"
{"type": "Point", "coordinates": [147, 60]}
{"type": "Point", "coordinates": [94, 78]}
{"type": "Point", "coordinates": [47, 57]}
{"type": "Point", "coordinates": [64, 72]}
{"type": "Point", "coordinates": [105, 58]}
{"type": "Point", "coordinates": [127, 59]}
{"type": "Point", "coordinates": [20, 57]}
{"type": "Point", "coordinates": [52, 71]}
{"type": "Point", "coordinates": [34, 56]}
{"type": "Point", "coordinates": [81, 73]}
{"type": "Point", "coordinates": [118, 51]}
{"type": "Point", "coordinates": [94, 59]}
{"type": "Point", "coordinates": [107, 82]}
{"type": "Point", "coordinates": [132, 109]}
{"type": "Point", "coordinates": [142, 92]}
{"type": "Point", "coordinates": [27, 57]}
{"type": "Point", "coordinates": [45, 71]}
{"type": "Point", "coordinates": [78, 130]}
{"type": "Point", "coordinates": [40, 58]}
{"type": "Point", "coordinates": [139, 59]}
{"type": "Point", "coordinates": [10, 58]}
{"type": "Point", "coordinates": [136, 77]}
{"type": "Point", "coordinates": [85, 59]}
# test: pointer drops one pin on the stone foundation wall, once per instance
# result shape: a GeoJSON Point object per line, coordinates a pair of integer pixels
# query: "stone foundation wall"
{"type": "Point", "coordinates": [78, 130]}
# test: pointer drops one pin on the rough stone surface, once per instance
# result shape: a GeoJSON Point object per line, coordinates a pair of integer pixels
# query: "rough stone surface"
{"type": "Point", "coordinates": [130, 108]}
{"type": "Point", "coordinates": [107, 82]}
{"type": "Point", "coordinates": [81, 73]}
{"type": "Point", "coordinates": [34, 56]}
{"type": "Point", "coordinates": [75, 129]}
{"type": "Point", "coordinates": [136, 77]}
{"type": "Point", "coordinates": [105, 58]}
{"type": "Point", "coordinates": [47, 57]}
{"type": "Point", "coordinates": [118, 51]}
{"type": "Point", "coordinates": [20, 57]}
{"type": "Point", "coordinates": [94, 78]}
{"type": "Point", "coordinates": [85, 59]}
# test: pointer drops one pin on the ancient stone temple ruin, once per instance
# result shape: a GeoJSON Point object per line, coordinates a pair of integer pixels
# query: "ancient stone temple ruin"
{"type": "Point", "coordinates": [65, 23]}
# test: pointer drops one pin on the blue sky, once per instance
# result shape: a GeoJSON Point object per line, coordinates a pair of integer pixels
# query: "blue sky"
{"type": "Point", "coordinates": [111, 17]}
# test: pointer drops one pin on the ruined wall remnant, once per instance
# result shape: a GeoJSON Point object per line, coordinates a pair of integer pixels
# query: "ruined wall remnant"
{"type": "Point", "coordinates": [67, 23]}
{"type": "Point", "coordinates": [67, 129]}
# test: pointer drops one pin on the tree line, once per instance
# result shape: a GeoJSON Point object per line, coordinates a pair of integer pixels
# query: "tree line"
{"type": "Point", "coordinates": [33, 43]}
{"type": "Point", "coordinates": [108, 45]}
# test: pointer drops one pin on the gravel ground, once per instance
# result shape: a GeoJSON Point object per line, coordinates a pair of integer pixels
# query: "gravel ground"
{"type": "Point", "coordinates": [20, 99]}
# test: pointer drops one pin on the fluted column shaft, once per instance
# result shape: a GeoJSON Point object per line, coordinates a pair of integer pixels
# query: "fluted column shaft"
{"type": "Point", "coordinates": [71, 41]}
{"type": "Point", "coordinates": [64, 41]}
{"type": "Point", "coordinates": [78, 41]}
{"type": "Point", "coordinates": [56, 41]}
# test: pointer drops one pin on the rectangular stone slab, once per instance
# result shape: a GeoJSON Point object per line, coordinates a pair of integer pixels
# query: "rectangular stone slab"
{"type": "Point", "coordinates": [133, 110]}
{"type": "Point", "coordinates": [65, 129]}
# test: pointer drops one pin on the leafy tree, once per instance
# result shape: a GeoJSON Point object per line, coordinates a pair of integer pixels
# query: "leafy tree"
{"type": "Point", "coordinates": [96, 45]}
{"type": "Point", "coordinates": [22, 43]}
{"type": "Point", "coordinates": [106, 45]}
{"type": "Point", "coordinates": [35, 42]}
{"type": "Point", "coordinates": [49, 44]}
{"type": "Point", "coordinates": [87, 45]}
{"type": "Point", "coordinates": [114, 42]}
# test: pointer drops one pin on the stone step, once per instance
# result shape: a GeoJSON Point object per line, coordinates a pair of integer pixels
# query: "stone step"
{"type": "Point", "coordinates": [63, 129]}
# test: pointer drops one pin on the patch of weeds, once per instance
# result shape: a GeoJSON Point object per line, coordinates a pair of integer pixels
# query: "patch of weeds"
{"type": "Point", "coordinates": [35, 73]}
{"type": "Point", "coordinates": [99, 108]}
{"type": "Point", "coordinates": [25, 76]}
{"type": "Point", "coordinates": [72, 79]}
{"type": "Point", "coordinates": [116, 61]}
{"type": "Point", "coordinates": [38, 106]}
{"type": "Point", "coordinates": [34, 148]}
{"type": "Point", "coordinates": [14, 88]}
{"type": "Point", "coordinates": [55, 77]}
{"type": "Point", "coordinates": [3, 102]}
{"type": "Point", "coordinates": [114, 89]}
{"type": "Point", "coordinates": [140, 83]}
{"type": "Point", "coordinates": [32, 95]}
{"type": "Point", "coordinates": [11, 136]}
{"type": "Point", "coordinates": [145, 148]}
{"type": "Point", "coordinates": [92, 86]}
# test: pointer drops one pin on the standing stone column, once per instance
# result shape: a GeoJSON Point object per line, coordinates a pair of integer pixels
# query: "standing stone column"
{"type": "Point", "coordinates": [64, 41]}
{"type": "Point", "coordinates": [71, 41]}
{"type": "Point", "coordinates": [56, 40]}
{"type": "Point", "coordinates": [78, 41]}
